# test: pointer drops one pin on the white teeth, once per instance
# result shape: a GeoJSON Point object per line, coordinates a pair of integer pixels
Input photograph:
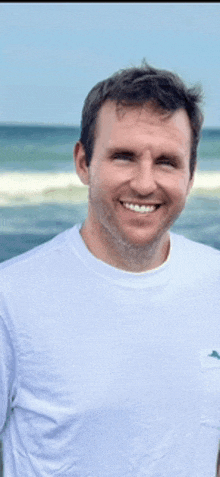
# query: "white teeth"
{"type": "Point", "coordinates": [143, 209]}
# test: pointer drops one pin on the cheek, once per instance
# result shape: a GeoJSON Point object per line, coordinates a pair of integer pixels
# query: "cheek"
{"type": "Point", "coordinates": [178, 186]}
{"type": "Point", "coordinates": [106, 180]}
{"type": "Point", "coordinates": [101, 184]}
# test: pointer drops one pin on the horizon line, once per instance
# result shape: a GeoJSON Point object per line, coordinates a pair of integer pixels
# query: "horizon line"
{"type": "Point", "coordinates": [32, 123]}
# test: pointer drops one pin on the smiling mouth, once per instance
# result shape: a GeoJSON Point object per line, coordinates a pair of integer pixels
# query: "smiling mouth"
{"type": "Point", "coordinates": [142, 209]}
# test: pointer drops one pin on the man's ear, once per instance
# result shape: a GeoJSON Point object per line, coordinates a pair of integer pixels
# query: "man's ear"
{"type": "Point", "coordinates": [80, 163]}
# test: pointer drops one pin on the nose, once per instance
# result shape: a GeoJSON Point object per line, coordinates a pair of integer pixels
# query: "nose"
{"type": "Point", "coordinates": [143, 180]}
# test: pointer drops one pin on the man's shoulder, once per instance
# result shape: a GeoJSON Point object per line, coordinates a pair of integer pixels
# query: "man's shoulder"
{"type": "Point", "coordinates": [194, 246]}
{"type": "Point", "coordinates": [195, 255]}
{"type": "Point", "coordinates": [34, 258]}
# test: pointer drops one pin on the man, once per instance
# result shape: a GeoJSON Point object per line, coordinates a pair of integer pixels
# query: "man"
{"type": "Point", "coordinates": [110, 339]}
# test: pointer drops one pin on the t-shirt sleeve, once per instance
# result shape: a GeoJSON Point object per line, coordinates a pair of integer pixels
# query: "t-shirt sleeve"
{"type": "Point", "coordinates": [7, 373]}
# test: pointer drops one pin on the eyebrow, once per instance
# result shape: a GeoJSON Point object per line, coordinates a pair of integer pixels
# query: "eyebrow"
{"type": "Point", "coordinates": [128, 152]}
{"type": "Point", "coordinates": [120, 150]}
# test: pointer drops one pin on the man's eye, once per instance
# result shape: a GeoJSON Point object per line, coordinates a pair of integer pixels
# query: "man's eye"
{"type": "Point", "coordinates": [123, 157]}
{"type": "Point", "coordinates": [166, 161]}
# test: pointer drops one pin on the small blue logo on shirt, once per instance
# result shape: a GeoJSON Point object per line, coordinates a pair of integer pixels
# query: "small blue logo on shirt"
{"type": "Point", "coordinates": [214, 354]}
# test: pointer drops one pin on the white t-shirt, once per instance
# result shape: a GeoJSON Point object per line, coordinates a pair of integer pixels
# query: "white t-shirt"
{"type": "Point", "coordinates": [106, 373]}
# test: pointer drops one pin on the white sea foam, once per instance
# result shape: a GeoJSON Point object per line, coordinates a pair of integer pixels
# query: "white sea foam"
{"type": "Point", "coordinates": [63, 187]}
{"type": "Point", "coordinates": [207, 181]}
{"type": "Point", "coordinates": [41, 187]}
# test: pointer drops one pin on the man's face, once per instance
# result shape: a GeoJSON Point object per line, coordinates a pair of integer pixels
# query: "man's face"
{"type": "Point", "coordinates": [139, 175]}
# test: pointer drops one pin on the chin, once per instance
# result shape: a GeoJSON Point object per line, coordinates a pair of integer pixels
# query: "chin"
{"type": "Point", "coordinates": [144, 238]}
{"type": "Point", "coordinates": [138, 240]}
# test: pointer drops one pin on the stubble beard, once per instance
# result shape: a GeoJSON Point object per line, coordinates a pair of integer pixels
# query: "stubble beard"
{"type": "Point", "coordinates": [119, 246]}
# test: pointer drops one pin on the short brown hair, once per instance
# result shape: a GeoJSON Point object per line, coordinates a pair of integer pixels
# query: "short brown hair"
{"type": "Point", "coordinates": [137, 86]}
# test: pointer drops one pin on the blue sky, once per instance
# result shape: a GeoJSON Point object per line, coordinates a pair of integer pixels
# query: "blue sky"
{"type": "Point", "coordinates": [52, 54]}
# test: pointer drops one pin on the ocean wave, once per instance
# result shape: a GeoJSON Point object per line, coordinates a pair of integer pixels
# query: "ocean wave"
{"type": "Point", "coordinates": [207, 182]}
{"type": "Point", "coordinates": [35, 188]}
{"type": "Point", "coordinates": [63, 187]}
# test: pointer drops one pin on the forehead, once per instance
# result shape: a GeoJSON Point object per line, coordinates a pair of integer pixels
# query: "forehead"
{"type": "Point", "coordinates": [127, 124]}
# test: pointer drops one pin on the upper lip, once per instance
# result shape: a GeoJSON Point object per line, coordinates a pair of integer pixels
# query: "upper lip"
{"type": "Point", "coordinates": [136, 202]}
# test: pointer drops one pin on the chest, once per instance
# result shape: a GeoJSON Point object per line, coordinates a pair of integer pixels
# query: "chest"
{"type": "Point", "coordinates": [91, 353]}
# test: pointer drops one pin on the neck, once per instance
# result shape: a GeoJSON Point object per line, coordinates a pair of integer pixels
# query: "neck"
{"type": "Point", "coordinates": [126, 256]}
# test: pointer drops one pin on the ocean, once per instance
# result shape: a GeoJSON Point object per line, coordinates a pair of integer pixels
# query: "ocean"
{"type": "Point", "coordinates": [41, 195]}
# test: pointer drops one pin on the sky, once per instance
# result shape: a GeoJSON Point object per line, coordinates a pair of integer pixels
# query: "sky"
{"type": "Point", "coordinates": [52, 54]}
